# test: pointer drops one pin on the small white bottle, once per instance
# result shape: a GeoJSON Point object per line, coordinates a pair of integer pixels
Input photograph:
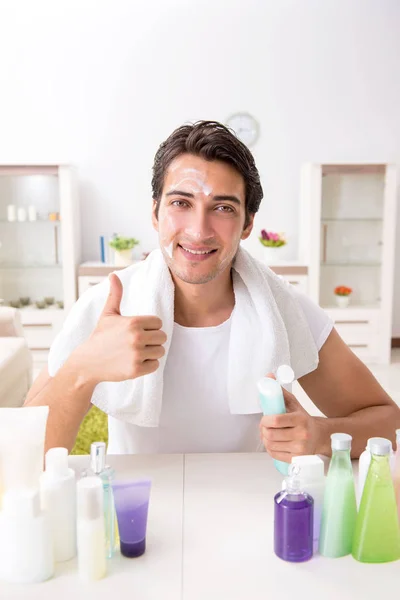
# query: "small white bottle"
{"type": "Point", "coordinates": [363, 465]}
{"type": "Point", "coordinates": [91, 530]}
{"type": "Point", "coordinates": [26, 549]}
{"type": "Point", "coordinates": [21, 214]}
{"type": "Point", "coordinates": [58, 498]}
{"type": "Point", "coordinates": [32, 214]}
{"type": "Point", "coordinates": [11, 213]}
{"type": "Point", "coordinates": [312, 480]}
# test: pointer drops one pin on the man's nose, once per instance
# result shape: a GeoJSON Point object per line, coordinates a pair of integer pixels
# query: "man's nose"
{"type": "Point", "coordinates": [200, 225]}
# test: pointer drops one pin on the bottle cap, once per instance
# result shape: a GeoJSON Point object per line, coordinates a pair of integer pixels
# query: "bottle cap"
{"type": "Point", "coordinates": [22, 503]}
{"type": "Point", "coordinates": [268, 387]}
{"type": "Point", "coordinates": [98, 456]}
{"type": "Point", "coordinates": [380, 446]}
{"type": "Point", "coordinates": [57, 461]}
{"type": "Point", "coordinates": [311, 467]}
{"type": "Point", "coordinates": [89, 492]}
{"type": "Point", "coordinates": [285, 374]}
{"type": "Point", "coordinates": [341, 441]}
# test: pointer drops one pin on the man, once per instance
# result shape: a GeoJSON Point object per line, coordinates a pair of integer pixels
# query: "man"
{"type": "Point", "coordinates": [206, 191]}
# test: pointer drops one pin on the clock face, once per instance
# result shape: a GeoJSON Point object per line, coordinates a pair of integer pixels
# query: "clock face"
{"type": "Point", "coordinates": [245, 126]}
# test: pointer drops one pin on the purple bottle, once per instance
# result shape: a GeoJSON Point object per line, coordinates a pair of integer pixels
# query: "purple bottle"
{"type": "Point", "coordinates": [293, 526]}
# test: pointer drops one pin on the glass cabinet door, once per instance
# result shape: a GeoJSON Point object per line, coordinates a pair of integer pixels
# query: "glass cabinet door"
{"type": "Point", "coordinates": [30, 238]}
{"type": "Point", "coordinates": [352, 234]}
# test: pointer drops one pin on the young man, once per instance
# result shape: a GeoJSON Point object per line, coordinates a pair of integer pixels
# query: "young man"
{"type": "Point", "coordinates": [206, 191]}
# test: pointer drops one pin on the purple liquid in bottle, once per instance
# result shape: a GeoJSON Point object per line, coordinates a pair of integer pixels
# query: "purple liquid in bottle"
{"type": "Point", "coordinates": [134, 523]}
{"type": "Point", "coordinates": [293, 530]}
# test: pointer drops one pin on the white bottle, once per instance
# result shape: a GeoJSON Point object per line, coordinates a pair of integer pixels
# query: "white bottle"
{"type": "Point", "coordinates": [21, 214]}
{"type": "Point", "coordinates": [91, 529]}
{"type": "Point", "coordinates": [363, 465]}
{"type": "Point", "coordinates": [32, 214]}
{"type": "Point", "coordinates": [312, 480]}
{"type": "Point", "coordinates": [11, 212]}
{"type": "Point", "coordinates": [26, 549]}
{"type": "Point", "coordinates": [58, 498]}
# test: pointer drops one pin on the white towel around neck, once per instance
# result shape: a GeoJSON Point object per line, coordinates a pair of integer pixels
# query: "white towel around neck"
{"type": "Point", "coordinates": [268, 329]}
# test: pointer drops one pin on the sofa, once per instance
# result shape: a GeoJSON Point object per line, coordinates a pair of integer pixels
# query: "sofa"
{"type": "Point", "coordinates": [15, 359]}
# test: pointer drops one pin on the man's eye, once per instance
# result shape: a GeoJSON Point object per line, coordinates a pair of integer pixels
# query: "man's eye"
{"type": "Point", "coordinates": [227, 209]}
{"type": "Point", "coordinates": [179, 203]}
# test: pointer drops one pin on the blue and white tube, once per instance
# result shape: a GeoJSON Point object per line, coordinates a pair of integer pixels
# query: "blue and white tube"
{"type": "Point", "coordinates": [272, 401]}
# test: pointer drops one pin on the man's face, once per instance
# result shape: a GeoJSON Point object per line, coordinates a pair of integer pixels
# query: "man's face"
{"type": "Point", "coordinates": [201, 217]}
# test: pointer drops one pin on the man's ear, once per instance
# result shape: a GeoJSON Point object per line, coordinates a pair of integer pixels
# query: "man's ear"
{"type": "Point", "coordinates": [154, 219]}
{"type": "Point", "coordinates": [247, 231]}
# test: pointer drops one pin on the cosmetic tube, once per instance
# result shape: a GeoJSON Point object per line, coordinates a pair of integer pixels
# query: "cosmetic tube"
{"type": "Point", "coordinates": [131, 504]}
{"type": "Point", "coordinates": [22, 434]}
{"type": "Point", "coordinates": [26, 548]}
{"type": "Point", "coordinates": [90, 529]}
{"type": "Point", "coordinates": [58, 498]}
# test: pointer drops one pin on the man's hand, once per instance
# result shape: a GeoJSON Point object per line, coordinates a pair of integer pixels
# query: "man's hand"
{"type": "Point", "coordinates": [120, 347]}
{"type": "Point", "coordinates": [292, 434]}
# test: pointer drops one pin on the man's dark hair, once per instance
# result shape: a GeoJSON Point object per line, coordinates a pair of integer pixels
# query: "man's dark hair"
{"type": "Point", "coordinates": [212, 141]}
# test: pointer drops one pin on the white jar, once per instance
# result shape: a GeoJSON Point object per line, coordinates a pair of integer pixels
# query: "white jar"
{"type": "Point", "coordinates": [58, 498]}
{"type": "Point", "coordinates": [32, 214]}
{"type": "Point", "coordinates": [26, 550]}
{"type": "Point", "coordinates": [21, 214]}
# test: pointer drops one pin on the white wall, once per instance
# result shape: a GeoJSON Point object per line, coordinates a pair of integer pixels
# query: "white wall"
{"type": "Point", "coordinates": [100, 83]}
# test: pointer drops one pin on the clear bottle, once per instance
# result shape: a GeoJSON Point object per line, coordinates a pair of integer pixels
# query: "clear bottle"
{"type": "Point", "coordinates": [312, 481]}
{"type": "Point", "coordinates": [90, 528]}
{"type": "Point", "coordinates": [340, 508]}
{"type": "Point", "coordinates": [98, 467]}
{"type": "Point", "coordinates": [293, 523]}
{"type": "Point", "coordinates": [377, 535]}
{"type": "Point", "coordinates": [58, 499]}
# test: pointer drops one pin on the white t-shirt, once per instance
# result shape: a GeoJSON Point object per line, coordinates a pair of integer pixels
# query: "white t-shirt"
{"type": "Point", "coordinates": [195, 414]}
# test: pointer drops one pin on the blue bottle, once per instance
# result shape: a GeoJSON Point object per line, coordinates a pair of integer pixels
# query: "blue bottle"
{"type": "Point", "coordinates": [272, 401]}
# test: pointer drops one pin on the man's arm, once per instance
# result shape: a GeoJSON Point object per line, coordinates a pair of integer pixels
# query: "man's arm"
{"type": "Point", "coordinates": [68, 397]}
{"type": "Point", "coordinates": [119, 348]}
{"type": "Point", "coordinates": [344, 390]}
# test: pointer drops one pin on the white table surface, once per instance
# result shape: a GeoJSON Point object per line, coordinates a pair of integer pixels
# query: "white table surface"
{"type": "Point", "coordinates": [210, 537]}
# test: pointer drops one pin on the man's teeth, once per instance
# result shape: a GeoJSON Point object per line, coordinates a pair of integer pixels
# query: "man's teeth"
{"type": "Point", "coordinates": [197, 251]}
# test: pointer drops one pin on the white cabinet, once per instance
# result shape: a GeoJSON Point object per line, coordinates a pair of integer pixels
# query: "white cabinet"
{"type": "Point", "coordinates": [349, 216]}
{"type": "Point", "coordinates": [39, 248]}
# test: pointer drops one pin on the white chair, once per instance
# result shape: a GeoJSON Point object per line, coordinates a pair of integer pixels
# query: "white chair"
{"type": "Point", "coordinates": [15, 359]}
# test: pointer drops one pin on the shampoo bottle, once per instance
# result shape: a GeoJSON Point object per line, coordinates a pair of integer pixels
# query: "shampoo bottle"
{"type": "Point", "coordinates": [377, 535]}
{"type": "Point", "coordinates": [90, 528]}
{"type": "Point", "coordinates": [58, 498]}
{"type": "Point", "coordinates": [26, 548]}
{"type": "Point", "coordinates": [312, 481]}
{"type": "Point", "coordinates": [340, 508]}
{"type": "Point", "coordinates": [272, 400]}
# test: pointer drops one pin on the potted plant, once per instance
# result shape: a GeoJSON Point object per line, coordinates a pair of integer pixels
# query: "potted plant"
{"type": "Point", "coordinates": [123, 247]}
{"type": "Point", "coordinates": [272, 242]}
{"type": "Point", "coordinates": [342, 293]}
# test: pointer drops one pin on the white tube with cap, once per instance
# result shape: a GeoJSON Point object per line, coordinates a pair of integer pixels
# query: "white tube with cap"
{"type": "Point", "coordinates": [26, 549]}
{"type": "Point", "coordinates": [91, 530]}
{"type": "Point", "coordinates": [58, 498]}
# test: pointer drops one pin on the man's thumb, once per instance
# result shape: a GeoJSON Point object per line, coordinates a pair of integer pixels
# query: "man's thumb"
{"type": "Point", "coordinates": [113, 303]}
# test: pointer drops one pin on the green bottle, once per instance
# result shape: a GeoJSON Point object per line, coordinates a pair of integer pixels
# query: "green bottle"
{"type": "Point", "coordinates": [340, 508]}
{"type": "Point", "coordinates": [377, 535]}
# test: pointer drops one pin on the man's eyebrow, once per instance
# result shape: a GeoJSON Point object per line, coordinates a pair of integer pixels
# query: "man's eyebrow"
{"type": "Point", "coordinates": [219, 198]}
{"type": "Point", "coordinates": [180, 193]}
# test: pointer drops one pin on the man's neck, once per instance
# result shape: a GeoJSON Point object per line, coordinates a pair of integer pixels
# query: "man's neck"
{"type": "Point", "coordinates": [204, 305]}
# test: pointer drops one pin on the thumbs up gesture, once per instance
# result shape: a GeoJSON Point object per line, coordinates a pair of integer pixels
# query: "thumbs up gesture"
{"type": "Point", "coordinates": [120, 347]}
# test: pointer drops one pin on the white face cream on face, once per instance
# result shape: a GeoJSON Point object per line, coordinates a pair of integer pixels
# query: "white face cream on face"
{"type": "Point", "coordinates": [193, 181]}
